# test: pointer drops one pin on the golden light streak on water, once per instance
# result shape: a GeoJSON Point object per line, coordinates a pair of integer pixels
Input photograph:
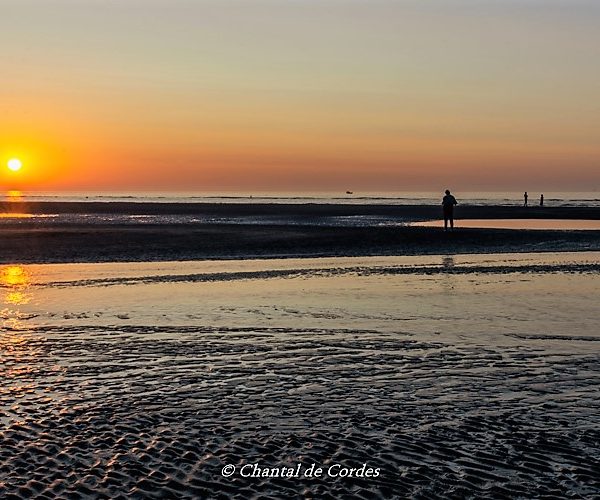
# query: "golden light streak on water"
{"type": "Point", "coordinates": [14, 195]}
{"type": "Point", "coordinates": [18, 280]}
{"type": "Point", "coordinates": [15, 276]}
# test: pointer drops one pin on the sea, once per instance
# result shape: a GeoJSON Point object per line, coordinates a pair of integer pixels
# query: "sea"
{"type": "Point", "coordinates": [559, 199]}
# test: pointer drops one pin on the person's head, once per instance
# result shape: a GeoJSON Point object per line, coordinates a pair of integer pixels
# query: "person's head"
{"type": "Point", "coordinates": [447, 191]}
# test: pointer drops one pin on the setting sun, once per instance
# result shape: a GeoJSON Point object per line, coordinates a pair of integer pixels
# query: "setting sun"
{"type": "Point", "coordinates": [14, 164]}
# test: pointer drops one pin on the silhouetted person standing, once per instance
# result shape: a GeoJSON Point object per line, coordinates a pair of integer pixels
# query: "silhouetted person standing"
{"type": "Point", "coordinates": [448, 203]}
{"type": "Point", "coordinates": [541, 200]}
{"type": "Point", "coordinates": [525, 196]}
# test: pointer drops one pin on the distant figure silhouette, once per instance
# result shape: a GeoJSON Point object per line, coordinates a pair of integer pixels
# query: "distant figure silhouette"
{"type": "Point", "coordinates": [541, 200]}
{"type": "Point", "coordinates": [448, 203]}
{"type": "Point", "coordinates": [525, 196]}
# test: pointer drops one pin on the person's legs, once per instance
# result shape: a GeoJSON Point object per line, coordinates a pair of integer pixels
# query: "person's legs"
{"type": "Point", "coordinates": [448, 217]}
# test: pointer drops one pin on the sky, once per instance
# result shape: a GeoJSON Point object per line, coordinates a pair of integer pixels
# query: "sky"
{"type": "Point", "coordinates": [300, 95]}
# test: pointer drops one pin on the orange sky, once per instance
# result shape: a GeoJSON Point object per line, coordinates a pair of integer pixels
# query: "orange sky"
{"type": "Point", "coordinates": [329, 95]}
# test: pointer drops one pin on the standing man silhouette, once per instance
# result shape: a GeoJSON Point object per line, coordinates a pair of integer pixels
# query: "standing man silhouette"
{"type": "Point", "coordinates": [525, 196]}
{"type": "Point", "coordinates": [541, 200]}
{"type": "Point", "coordinates": [448, 203]}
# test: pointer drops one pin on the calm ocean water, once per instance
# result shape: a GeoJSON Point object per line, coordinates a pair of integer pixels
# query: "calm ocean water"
{"type": "Point", "coordinates": [580, 199]}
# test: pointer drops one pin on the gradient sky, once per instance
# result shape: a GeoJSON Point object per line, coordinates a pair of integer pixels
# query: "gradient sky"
{"type": "Point", "coordinates": [301, 94]}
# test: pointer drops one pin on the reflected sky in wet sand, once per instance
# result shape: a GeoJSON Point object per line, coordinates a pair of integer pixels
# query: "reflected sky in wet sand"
{"type": "Point", "coordinates": [381, 292]}
{"type": "Point", "coordinates": [559, 224]}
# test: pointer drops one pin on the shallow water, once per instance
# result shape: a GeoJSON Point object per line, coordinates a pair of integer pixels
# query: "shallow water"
{"type": "Point", "coordinates": [557, 224]}
{"type": "Point", "coordinates": [463, 375]}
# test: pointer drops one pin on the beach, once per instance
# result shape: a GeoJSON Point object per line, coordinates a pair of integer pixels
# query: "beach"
{"type": "Point", "coordinates": [36, 232]}
{"type": "Point", "coordinates": [446, 376]}
{"type": "Point", "coordinates": [195, 350]}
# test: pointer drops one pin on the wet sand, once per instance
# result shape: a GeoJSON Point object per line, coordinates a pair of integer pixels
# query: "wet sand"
{"type": "Point", "coordinates": [455, 376]}
{"type": "Point", "coordinates": [456, 373]}
{"type": "Point", "coordinates": [108, 232]}
{"type": "Point", "coordinates": [526, 224]}
{"type": "Point", "coordinates": [175, 242]}
{"type": "Point", "coordinates": [300, 210]}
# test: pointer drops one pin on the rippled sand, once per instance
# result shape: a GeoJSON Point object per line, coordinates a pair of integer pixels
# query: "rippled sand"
{"type": "Point", "coordinates": [455, 376]}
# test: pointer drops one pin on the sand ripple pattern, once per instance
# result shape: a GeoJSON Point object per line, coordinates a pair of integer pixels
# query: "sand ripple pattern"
{"type": "Point", "coordinates": [156, 412]}
{"type": "Point", "coordinates": [479, 270]}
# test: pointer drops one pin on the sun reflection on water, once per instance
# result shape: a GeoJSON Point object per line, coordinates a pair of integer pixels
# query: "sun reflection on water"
{"type": "Point", "coordinates": [14, 195]}
{"type": "Point", "coordinates": [29, 373]}
{"type": "Point", "coordinates": [15, 276]}
{"type": "Point", "coordinates": [17, 216]}
{"type": "Point", "coordinates": [19, 348]}
{"type": "Point", "coordinates": [15, 206]}
{"type": "Point", "coordinates": [17, 280]}
{"type": "Point", "coordinates": [10, 211]}
{"type": "Point", "coordinates": [17, 298]}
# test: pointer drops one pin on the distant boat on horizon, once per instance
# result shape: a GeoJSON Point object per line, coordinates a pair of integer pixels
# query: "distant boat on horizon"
{"type": "Point", "coordinates": [349, 192]}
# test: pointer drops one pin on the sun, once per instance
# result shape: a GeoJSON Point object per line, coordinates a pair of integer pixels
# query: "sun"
{"type": "Point", "coordinates": [14, 164]}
